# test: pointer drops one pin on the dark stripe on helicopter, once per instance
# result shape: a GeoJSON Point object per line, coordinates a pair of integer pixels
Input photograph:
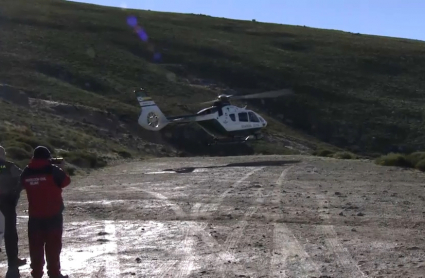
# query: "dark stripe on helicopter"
{"type": "Point", "coordinates": [182, 117]}
{"type": "Point", "coordinates": [213, 126]}
{"type": "Point", "coordinates": [148, 105]}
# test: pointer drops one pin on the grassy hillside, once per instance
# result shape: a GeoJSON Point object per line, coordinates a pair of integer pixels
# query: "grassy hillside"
{"type": "Point", "coordinates": [357, 92]}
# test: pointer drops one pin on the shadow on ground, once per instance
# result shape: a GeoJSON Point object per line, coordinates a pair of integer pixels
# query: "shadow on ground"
{"type": "Point", "coordinates": [240, 164]}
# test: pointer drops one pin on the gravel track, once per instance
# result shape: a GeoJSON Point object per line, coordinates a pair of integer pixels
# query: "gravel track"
{"type": "Point", "coordinates": [265, 216]}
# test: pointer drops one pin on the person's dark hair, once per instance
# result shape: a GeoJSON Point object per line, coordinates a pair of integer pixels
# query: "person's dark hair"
{"type": "Point", "coordinates": [41, 152]}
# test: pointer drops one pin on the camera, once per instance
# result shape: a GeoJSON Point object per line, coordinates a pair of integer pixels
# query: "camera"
{"type": "Point", "coordinates": [56, 160]}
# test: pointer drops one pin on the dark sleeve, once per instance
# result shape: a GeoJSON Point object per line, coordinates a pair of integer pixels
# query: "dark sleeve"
{"type": "Point", "coordinates": [60, 177]}
{"type": "Point", "coordinates": [16, 172]}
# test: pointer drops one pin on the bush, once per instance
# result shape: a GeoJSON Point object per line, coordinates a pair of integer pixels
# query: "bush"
{"type": "Point", "coordinates": [70, 170]}
{"type": "Point", "coordinates": [416, 157]}
{"type": "Point", "coordinates": [323, 152]}
{"type": "Point", "coordinates": [345, 155]}
{"type": "Point", "coordinates": [394, 159]}
{"type": "Point", "coordinates": [420, 165]}
{"type": "Point", "coordinates": [60, 143]}
{"type": "Point", "coordinates": [84, 159]}
{"type": "Point", "coordinates": [35, 142]}
{"type": "Point", "coordinates": [414, 160]}
{"type": "Point", "coordinates": [28, 143]}
{"type": "Point", "coordinates": [16, 153]}
{"type": "Point", "coordinates": [124, 154]}
{"type": "Point", "coordinates": [20, 145]}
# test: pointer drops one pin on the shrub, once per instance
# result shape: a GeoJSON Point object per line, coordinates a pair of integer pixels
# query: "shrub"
{"type": "Point", "coordinates": [345, 155]}
{"type": "Point", "coordinates": [84, 159]}
{"type": "Point", "coordinates": [124, 154]}
{"type": "Point", "coordinates": [20, 145]}
{"type": "Point", "coordinates": [414, 160]}
{"type": "Point", "coordinates": [416, 157]}
{"type": "Point", "coordinates": [70, 170]}
{"type": "Point", "coordinates": [420, 165]}
{"type": "Point", "coordinates": [16, 153]}
{"type": "Point", "coordinates": [60, 143]}
{"type": "Point", "coordinates": [323, 152]}
{"type": "Point", "coordinates": [35, 142]}
{"type": "Point", "coordinates": [394, 159]}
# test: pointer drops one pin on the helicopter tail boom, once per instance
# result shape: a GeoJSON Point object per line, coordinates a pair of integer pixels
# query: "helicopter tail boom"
{"type": "Point", "coordinates": [151, 117]}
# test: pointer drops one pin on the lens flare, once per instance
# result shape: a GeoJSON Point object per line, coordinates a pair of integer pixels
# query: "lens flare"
{"type": "Point", "coordinates": [132, 21]}
{"type": "Point", "coordinates": [143, 35]}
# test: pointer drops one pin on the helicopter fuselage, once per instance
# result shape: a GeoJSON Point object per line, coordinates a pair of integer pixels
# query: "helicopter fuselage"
{"type": "Point", "coordinates": [229, 121]}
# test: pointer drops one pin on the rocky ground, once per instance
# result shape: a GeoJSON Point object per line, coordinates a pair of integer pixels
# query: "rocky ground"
{"type": "Point", "coordinates": [266, 216]}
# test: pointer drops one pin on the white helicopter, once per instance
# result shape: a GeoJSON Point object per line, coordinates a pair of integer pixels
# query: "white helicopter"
{"type": "Point", "coordinates": [225, 122]}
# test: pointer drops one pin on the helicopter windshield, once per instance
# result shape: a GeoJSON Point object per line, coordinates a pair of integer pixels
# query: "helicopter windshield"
{"type": "Point", "coordinates": [252, 117]}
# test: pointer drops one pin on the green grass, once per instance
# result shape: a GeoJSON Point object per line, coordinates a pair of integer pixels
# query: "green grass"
{"type": "Point", "coordinates": [354, 93]}
{"type": "Point", "coordinates": [21, 131]}
{"type": "Point", "coordinates": [335, 154]}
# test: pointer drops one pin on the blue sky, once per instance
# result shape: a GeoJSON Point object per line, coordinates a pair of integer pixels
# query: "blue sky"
{"type": "Point", "coordinates": [394, 18]}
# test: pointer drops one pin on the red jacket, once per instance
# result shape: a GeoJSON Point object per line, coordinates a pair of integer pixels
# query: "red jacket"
{"type": "Point", "coordinates": [43, 183]}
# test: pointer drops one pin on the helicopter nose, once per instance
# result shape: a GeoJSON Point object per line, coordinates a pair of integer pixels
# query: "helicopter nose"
{"type": "Point", "coordinates": [264, 122]}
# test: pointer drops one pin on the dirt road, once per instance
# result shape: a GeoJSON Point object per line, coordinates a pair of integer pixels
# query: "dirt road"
{"type": "Point", "coordinates": [268, 216]}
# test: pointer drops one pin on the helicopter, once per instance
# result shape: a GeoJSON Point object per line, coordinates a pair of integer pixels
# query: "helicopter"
{"type": "Point", "coordinates": [223, 121]}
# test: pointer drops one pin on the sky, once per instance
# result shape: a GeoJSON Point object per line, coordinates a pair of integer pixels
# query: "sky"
{"type": "Point", "coordinates": [394, 18]}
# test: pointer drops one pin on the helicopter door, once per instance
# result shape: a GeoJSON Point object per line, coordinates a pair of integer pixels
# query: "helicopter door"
{"type": "Point", "coordinates": [244, 120]}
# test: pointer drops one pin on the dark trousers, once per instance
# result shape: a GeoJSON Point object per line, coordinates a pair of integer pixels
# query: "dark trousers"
{"type": "Point", "coordinates": [45, 237]}
{"type": "Point", "coordinates": [8, 208]}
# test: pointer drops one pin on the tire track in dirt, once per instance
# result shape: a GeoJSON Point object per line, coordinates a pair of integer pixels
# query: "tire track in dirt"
{"type": "Point", "coordinates": [184, 266]}
{"type": "Point", "coordinates": [287, 252]}
{"type": "Point", "coordinates": [215, 205]}
{"type": "Point", "coordinates": [164, 268]}
{"type": "Point", "coordinates": [232, 240]}
{"type": "Point", "coordinates": [344, 258]}
{"type": "Point", "coordinates": [110, 251]}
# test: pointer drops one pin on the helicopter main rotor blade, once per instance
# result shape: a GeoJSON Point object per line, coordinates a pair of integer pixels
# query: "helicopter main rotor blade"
{"type": "Point", "coordinates": [268, 94]}
{"type": "Point", "coordinates": [208, 102]}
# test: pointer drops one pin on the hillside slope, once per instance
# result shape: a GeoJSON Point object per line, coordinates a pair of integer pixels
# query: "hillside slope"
{"type": "Point", "coordinates": [358, 92]}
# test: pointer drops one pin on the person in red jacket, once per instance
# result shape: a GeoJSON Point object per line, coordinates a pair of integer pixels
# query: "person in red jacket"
{"type": "Point", "coordinates": [43, 183]}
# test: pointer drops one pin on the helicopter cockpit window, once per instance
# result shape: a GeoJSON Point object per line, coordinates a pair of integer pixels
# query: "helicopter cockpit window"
{"type": "Point", "coordinates": [232, 117]}
{"type": "Point", "coordinates": [243, 117]}
{"type": "Point", "coordinates": [253, 117]}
